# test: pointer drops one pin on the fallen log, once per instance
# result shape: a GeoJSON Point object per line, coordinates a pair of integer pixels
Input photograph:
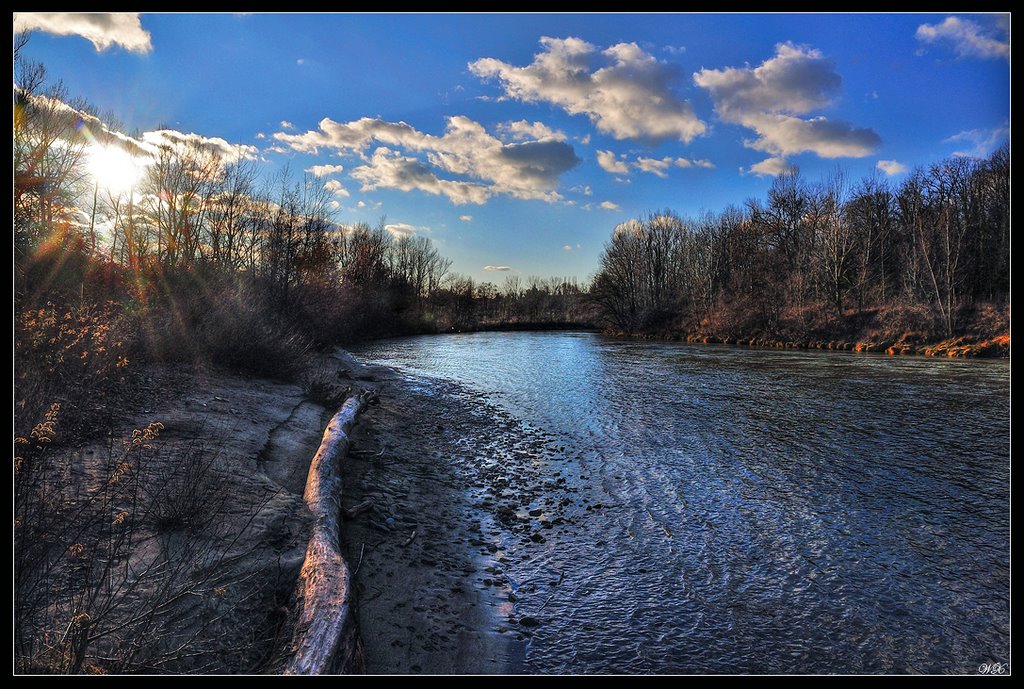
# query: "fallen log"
{"type": "Point", "coordinates": [324, 640]}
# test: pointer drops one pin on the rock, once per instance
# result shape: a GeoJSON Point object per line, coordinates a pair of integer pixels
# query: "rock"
{"type": "Point", "coordinates": [527, 621]}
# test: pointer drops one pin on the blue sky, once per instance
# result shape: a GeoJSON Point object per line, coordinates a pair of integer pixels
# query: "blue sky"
{"type": "Point", "coordinates": [520, 141]}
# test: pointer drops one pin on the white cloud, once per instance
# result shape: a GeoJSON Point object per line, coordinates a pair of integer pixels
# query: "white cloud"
{"type": "Point", "coordinates": [567, 247]}
{"type": "Point", "coordinates": [477, 165]}
{"type": "Point", "coordinates": [770, 98]}
{"type": "Point", "coordinates": [499, 268]}
{"type": "Point", "coordinates": [967, 38]}
{"type": "Point", "coordinates": [674, 49]}
{"type": "Point", "coordinates": [402, 229]}
{"type": "Point", "coordinates": [631, 226]}
{"type": "Point", "coordinates": [324, 170]}
{"type": "Point", "coordinates": [88, 128]}
{"type": "Point", "coordinates": [769, 167]}
{"type": "Point", "coordinates": [981, 141]}
{"type": "Point", "coordinates": [891, 167]}
{"type": "Point", "coordinates": [537, 131]}
{"type": "Point", "coordinates": [389, 169]}
{"type": "Point", "coordinates": [360, 204]}
{"type": "Point", "coordinates": [336, 188]}
{"type": "Point", "coordinates": [630, 97]}
{"type": "Point", "coordinates": [285, 124]}
{"type": "Point", "coordinates": [691, 162]}
{"type": "Point", "coordinates": [609, 163]}
{"type": "Point", "coordinates": [260, 136]}
{"type": "Point", "coordinates": [102, 30]}
{"type": "Point", "coordinates": [466, 218]}
{"type": "Point", "coordinates": [227, 152]}
{"type": "Point", "coordinates": [610, 206]}
{"type": "Point", "coordinates": [654, 166]}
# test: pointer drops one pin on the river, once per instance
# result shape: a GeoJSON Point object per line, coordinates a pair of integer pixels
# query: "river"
{"type": "Point", "coordinates": [672, 508]}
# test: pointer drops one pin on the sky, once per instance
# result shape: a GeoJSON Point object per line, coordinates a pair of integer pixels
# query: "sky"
{"type": "Point", "coordinates": [517, 142]}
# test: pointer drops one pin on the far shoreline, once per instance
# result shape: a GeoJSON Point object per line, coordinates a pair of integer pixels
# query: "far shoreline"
{"type": "Point", "coordinates": [959, 347]}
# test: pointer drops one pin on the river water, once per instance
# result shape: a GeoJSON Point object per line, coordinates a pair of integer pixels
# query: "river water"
{"type": "Point", "coordinates": [672, 508]}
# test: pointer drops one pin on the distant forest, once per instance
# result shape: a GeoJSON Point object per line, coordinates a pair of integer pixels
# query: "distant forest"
{"type": "Point", "coordinates": [816, 259]}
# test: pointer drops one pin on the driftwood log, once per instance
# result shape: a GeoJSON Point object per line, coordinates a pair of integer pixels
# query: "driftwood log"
{"type": "Point", "coordinates": [325, 640]}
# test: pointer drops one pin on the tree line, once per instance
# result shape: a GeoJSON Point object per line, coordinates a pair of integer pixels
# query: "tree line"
{"type": "Point", "coordinates": [816, 259]}
{"type": "Point", "coordinates": [202, 209]}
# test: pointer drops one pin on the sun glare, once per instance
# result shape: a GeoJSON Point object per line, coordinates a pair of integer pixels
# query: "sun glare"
{"type": "Point", "coordinates": [113, 168]}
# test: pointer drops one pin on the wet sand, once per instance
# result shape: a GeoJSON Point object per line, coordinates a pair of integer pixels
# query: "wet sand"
{"type": "Point", "coordinates": [456, 562]}
{"type": "Point", "coordinates": [422, 602]}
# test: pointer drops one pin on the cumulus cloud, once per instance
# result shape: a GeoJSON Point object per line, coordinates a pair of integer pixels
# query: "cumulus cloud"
{"type": "Point", "coordinates": [618, 165]}
{"type": "Point", "coordinates": [631, 226]}
{"type": "Point", "coordinates": [610, 206]}
{"type": "Point", "coordinates": [100, 29]}
{"type": "Point", "coordinates": [521, 130]}
{"type": "Point", "coordinates": [967, 38]}
{"type": "Point", "coordinates": [336, 188]}
{"type": "Point", "coordinates": [773, 98]}
{"type": "Point", "coordinates": [466, 218]}
{"type": "Point", "coordinates": [227, 152]}
{"type": "Point", "coordinates": [498, 268]}
{"type": "Point", "coordinates": [654, 166]}
{"type": "Point", "coordinates": [389, 169]}
{"type": "Point", "coordinates": [770, 167]}
{"type": "Point", "coordinates": [981, 142]}
{"type": "Point", "coordinates": [483, 165]}
{"type": "Point", "coordinates": [285, 124]}
{"type": "Point", "coordinates": [629, 97]}
{"type": "Point", "coordinates": [84, 127]}
{"type": "Point", "coordinates": [324, 170]}
{"type": "Point", "coordinates": [660, 166]}
{"type": "Point", "coordinates": [567, 247]}
{"type": "Point", "coordinates": [891, 167]}
{"type": "Point", "coordinates": [610, 163]}
{"type": "Point", "coordinates": [402, 229]}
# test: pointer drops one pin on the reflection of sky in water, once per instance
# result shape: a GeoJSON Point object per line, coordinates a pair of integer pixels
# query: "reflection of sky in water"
{"type": "Point", "coordinates": [764, 510]}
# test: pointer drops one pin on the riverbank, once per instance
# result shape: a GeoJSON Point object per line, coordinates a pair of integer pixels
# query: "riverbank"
{"type": "Point", "coordinates": [426, 591]}
{"type": "Point", "coordinates": [983, 331]}
{"type": "Point", "coordinates": [955, 347]}
{"type": "Point", "coordinates": [187, 530]}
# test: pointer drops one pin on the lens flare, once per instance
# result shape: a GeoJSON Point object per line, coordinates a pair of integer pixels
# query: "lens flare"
{"type": "Point", "coordinates": [113, 168]}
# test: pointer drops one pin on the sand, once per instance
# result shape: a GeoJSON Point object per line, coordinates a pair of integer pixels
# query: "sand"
{"type": "Point", "coordinates": [232, 571]}
{"type": "Point", "coordinates": [426, 602]}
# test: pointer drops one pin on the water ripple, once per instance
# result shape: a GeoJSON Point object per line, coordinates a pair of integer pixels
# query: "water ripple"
{"type": "Point", "coordinates": [750, 511]}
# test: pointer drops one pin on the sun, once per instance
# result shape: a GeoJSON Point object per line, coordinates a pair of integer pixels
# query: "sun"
{"type": "Point", "coordinates": [113, 168]}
